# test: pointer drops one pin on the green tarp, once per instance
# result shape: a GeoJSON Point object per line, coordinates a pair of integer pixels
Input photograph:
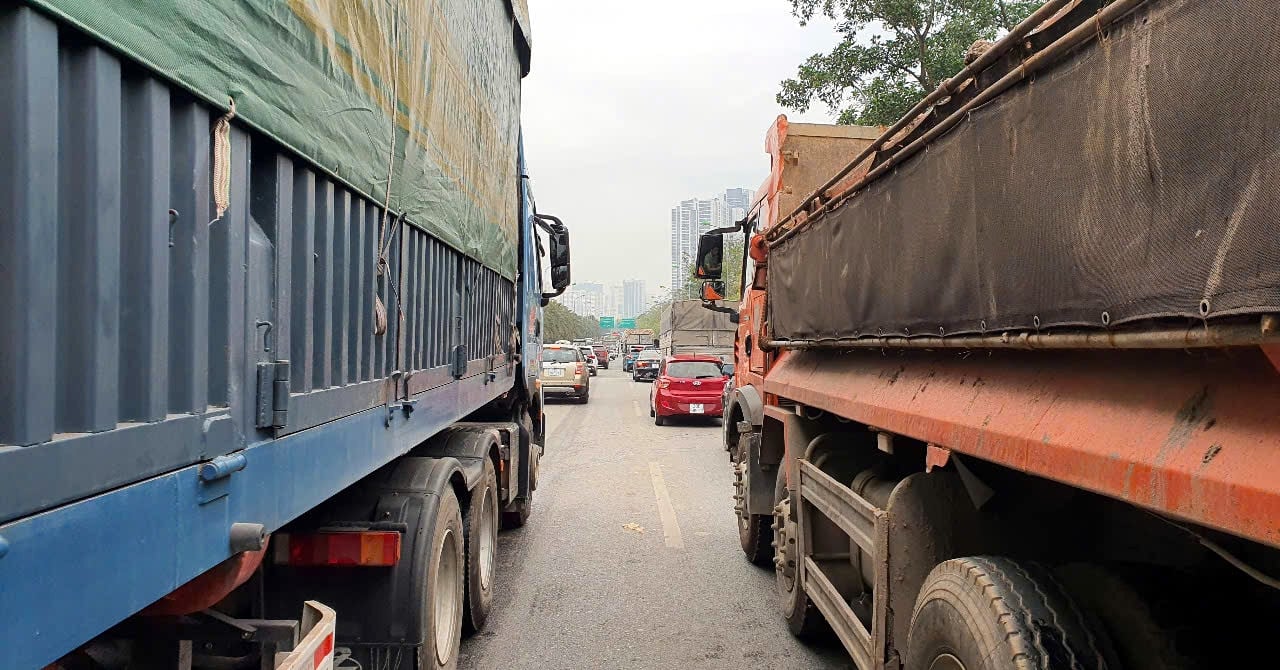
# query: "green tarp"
{"type": "Point", "coordinates": [324, 76]}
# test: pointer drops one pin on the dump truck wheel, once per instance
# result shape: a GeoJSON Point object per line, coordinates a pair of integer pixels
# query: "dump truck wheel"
{"type": "Point", "coordinates": [803, 618]}
{"type": "Point", "coordinates": [992, 613]}
{"type": "Point", "coordinates": [1146, 617]}
{"type": "Point", "coordinates": [755, 532]}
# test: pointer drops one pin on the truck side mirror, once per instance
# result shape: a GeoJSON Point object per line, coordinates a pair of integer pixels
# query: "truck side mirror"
{"type": "Point", "coordinates": [712, 290]}
{"type": "Point", "coordinates": [710, 258]}
{"type": "Point", "coordinates": [558, 241]}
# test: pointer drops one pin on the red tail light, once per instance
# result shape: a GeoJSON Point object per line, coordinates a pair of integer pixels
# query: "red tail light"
{"type": "Point", "coordinates": [357, 548]}
{"type": "Point", "coordinates": [579, 368]}
{"type": "Point", "coordinates": [664, 383]}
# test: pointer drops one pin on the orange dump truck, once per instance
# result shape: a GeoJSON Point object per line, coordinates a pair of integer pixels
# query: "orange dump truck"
{"type": "Point", "coordinates": [1007, 390]}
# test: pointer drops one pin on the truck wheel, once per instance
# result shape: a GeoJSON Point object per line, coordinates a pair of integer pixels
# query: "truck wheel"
{"type": "Point", "coordinates": [993, 613]}
{"type": "Point", "coordinates": [1146, 616]}
{"type": "Point", "coordinates": [803, 618]}
{"type": "Point", "coordinates": [755, 534]}
{"type": "Point", "coordinates": [443, 602]}
{"type": "Point", "coordinates": [480, 523]}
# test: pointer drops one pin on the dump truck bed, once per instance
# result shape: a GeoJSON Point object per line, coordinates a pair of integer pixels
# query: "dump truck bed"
{"type": "Point", "coordinates": [1109, 184]}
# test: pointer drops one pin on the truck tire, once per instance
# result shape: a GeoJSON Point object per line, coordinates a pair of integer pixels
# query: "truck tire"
{"type": "Point", "coordinates": [442, 604]}
{"type": "Point", "coordinates": [803, 618]}
{"type": "Point", "coordinates": [992, 613]}
{"type": "Point", "coordinates": [755, 532]}
{"type": "Point", "coordinates": [480, 525]}
{"type": "Point", "coordinates": [1146, 616]}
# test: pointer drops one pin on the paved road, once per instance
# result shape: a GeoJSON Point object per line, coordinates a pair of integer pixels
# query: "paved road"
{"type": "Point", "coordinates": [631, 557]}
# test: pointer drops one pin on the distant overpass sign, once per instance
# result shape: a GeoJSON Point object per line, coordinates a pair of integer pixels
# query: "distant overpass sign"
{"type": "Point", "coordinates": [606, 322]}
{"type": "Point", "coordinates": [626, 323]}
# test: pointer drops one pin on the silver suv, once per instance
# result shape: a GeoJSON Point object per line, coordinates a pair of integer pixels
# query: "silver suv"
{"type": "Point", "coordinates": [564, 371]}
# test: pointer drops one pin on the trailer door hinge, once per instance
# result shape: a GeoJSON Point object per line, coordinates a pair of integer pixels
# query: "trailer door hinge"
{"type": "Point", "coordinates": [273, 394]}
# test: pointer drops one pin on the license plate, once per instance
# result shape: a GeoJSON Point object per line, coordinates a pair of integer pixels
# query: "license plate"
{"type": "Point", "coordinates": [695, 409]}
{"type": "Point", "coordinates": [555, 372]}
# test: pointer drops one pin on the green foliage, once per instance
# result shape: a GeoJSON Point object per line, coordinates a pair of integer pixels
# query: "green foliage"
{"type": "Point", "coordinates": [559, 323]}
{"type": "Point", "coordinates": [692, 289]}
{"type": "Point", "coordinates": [731, 274]}
{"type": "Point", "coordinates": [652, 318]}
{"type": "Point", "coordinates": [892, 52]}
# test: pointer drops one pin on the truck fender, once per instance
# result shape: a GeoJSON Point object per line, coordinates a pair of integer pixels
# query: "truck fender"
{"type": "Point", "coordinates": [377, 607]}
{"type": "Point", "coordinates": [761, 477]}
{"type": "Point", "coordinates": [748, 400]}
{"type": "Point", "coordinates": [468, 445]}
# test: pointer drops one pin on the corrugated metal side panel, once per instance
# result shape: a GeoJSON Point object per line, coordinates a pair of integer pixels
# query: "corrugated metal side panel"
{"type": "Point", "coordinates": [130, 317]}
{"type": "Point", "coordinates": [28, 239]}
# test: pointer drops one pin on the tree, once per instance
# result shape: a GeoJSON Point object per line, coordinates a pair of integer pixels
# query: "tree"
{"type": "Point", "coordinates": [892, 53]}
{"type": "Point", "coordinates": [731, 272]}
{"type": "Point", "coordinates": [560, 323]}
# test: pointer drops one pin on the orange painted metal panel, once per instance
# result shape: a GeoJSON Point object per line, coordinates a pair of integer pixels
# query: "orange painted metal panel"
{"type": "Point", "coordinates": [1192, 435]}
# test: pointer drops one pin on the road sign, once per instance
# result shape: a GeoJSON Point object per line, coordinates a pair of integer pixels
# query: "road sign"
{"type": "Point", "coordinates": [606, 322]}
{"type": "Point", "coordinates": [627, 323]}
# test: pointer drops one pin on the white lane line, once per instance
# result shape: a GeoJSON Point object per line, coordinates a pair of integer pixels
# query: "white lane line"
{"type": "Point", "coordinates": [670, 527]}
{"type": "Point", "coordinates": [635, 404]}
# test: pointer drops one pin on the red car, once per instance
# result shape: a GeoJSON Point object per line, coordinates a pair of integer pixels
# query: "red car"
{"type": "Point", "coordinates": [687, 386]}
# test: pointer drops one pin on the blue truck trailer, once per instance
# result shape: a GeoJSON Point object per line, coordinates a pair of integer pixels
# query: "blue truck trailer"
{"type": "Point", "coordinates": [271, 280]}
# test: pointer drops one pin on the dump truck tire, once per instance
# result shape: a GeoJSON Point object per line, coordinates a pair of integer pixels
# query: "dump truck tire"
{"type": "Point", "coordinates": [993, 613]}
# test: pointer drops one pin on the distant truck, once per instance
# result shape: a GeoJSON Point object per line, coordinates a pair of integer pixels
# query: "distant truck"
{"type": "Point", "coordinates": [641, 337]}
{"type": "Point", "coordinates": [271, 294]}
{"type": "Point", "coordinates": [688, 328]}
{"type": "Point", "coordinates": [1009, 370]}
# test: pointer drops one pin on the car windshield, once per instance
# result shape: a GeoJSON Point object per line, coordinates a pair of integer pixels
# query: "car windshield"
{"type": "Point", "coordinates": [693, 369]}
{"type": "Point", "coordinates": [560, 356]}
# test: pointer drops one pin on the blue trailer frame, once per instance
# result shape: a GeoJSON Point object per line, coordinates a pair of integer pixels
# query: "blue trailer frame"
{"type": "Point", "coordinates": [136, 358]}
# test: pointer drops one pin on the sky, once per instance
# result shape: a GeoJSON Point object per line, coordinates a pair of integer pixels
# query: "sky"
{"type": "Point", "coordinates": [632, 106]}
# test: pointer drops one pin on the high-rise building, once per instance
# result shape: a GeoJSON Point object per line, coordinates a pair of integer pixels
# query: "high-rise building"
{"type": "Point", "coordinates": [633, 298]}
{"type": "Point", "coordinates": [738, 201]}
{"type": "Point", "coordinates": [612, 300]}
{"type": "Point", "coordinates": [586, 299]}
{"type": "Point", "coordinates": [691, 218]}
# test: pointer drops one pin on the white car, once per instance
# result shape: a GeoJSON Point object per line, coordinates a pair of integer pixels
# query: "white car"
{"type": "Point", "coordinates": [589, 355]}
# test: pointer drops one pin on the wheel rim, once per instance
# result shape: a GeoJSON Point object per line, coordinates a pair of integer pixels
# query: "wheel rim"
{"type": "Point", "coordinates": [488, 537]}
{"type": "Point", "coordinates": [946, 662]}
{"type": "Point", "coordinates": [447, 603]}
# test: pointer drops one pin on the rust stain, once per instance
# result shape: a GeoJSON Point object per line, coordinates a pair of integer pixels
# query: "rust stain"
{"type": "Point", "coordinates": [1133, 428]}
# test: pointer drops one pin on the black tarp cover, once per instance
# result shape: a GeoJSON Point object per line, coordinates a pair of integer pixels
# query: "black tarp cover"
{"type": "Point", "coordinates": [1136, 179]}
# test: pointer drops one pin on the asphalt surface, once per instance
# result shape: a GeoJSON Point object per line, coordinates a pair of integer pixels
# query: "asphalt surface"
{"type": "Point", "coordinates": [631, 558]}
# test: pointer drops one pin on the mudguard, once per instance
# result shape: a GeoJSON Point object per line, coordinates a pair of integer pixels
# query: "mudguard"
{"type": "Point", "coordinates": [378, 608]}
{"type": "Point", "coordinates": [748, 400]}
{"type": "Point", "coordinates": [470, 444]}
